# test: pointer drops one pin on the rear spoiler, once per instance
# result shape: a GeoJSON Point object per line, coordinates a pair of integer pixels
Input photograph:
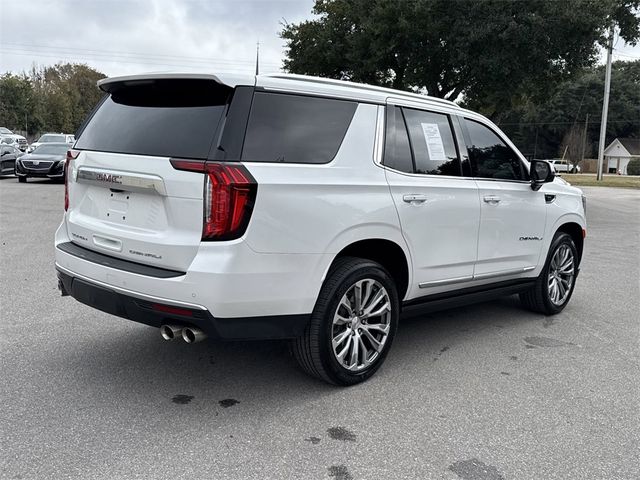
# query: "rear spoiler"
{"type": "Point", "coordinates": [109, 85]}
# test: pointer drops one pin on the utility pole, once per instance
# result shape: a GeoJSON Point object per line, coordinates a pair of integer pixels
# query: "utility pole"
{"type": "Point", "coordinates": [605, 104]}
{"type": "Point", "coordinates": [258, 58]}
{"type": "Point", "coordinates": [584, 137]}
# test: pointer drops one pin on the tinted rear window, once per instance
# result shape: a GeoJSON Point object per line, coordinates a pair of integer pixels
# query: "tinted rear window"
{"type": "Point", "coordinates": [295, 129]}
{"type": "Point", "coordinates": [167, 118]}
{"type": "Point", "coordinates": [51, 138]}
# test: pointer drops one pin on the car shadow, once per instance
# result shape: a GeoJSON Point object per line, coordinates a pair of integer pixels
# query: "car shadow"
{"type": "Point", "coordinates": [135, 359]}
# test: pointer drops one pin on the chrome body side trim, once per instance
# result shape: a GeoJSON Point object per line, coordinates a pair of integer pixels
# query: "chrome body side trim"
{"type": "Point", "coordinates": [479, 276]}
{"type": "Point", "coordinates": [139, 182]}
{"type": "Point", "coordinates": [448, 281]}
{"type": "Point", "coordinates": [131, 293]}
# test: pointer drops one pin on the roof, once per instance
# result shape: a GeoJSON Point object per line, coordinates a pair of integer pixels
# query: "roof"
{"type": "Point", "coordinates": [623, 147]}
{"type": "Point", "coordinates": [292, 83]}
{"type": "Point", "coordinates": [631, 144]}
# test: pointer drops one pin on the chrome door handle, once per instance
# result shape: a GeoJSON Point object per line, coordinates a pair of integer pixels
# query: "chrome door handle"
{"type": "Point", "coordinates": [414, 198]}
{"type": "Point", "coordinates": [492, 199]}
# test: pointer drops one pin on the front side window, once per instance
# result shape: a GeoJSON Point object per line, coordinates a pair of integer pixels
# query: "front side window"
{"type": "Point", "coordinates": [286, 128]}
{"type": "Point", "coordinates": [432, 141]}
{"type": "Point", "coordinates": [490, 156]}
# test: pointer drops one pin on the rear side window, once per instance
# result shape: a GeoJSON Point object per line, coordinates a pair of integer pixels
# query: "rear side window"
{"type": "Point", "coordinates": [166, 118]}
{"type": "Point", "coordinates": [490, 156]}
{"type": "Point", "coordinates": [295, 129]}
{"type": "Point", "coordinates": [433, 144]}
{"type": "Point", "coordinates": [397, 151]}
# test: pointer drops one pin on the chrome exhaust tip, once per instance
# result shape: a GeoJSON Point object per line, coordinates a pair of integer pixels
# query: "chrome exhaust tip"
{"type": "Point", "coordinates": [193, 335]}
{"type": "Point", "coordinates": [169, 332]}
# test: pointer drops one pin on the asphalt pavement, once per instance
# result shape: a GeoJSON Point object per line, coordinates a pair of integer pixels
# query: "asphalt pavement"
{"type": "Point", "coordinates": [484, 392]}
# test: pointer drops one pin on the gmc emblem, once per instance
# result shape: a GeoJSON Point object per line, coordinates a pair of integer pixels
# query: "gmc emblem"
{"type": "Point", "coordinates": [107, 177]}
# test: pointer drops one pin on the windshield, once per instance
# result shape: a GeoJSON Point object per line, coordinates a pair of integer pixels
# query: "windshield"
{"type": "Point", "coordinates": [5, 131]}
{"type": "Point", "coordinates": [51, 138]}
{"type": "Point", "coordinates": [51, 150]}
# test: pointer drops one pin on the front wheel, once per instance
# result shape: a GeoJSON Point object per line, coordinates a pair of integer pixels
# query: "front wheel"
{"type": "Point", "coordinates": [554, 286]}
{"type": "Point", "coordinates": [352, 325]}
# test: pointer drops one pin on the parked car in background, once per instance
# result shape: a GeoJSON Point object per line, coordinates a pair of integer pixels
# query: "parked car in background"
{"type": "Point", "coordinates": [14, 139]}
{"type": "Point", "coordinates": [292, 207]}
{"type": "Point", "coordinates": [8, 156]}
{"type": "Point", "coordinates": [563, 166]}
{"type": "Point", "coordinates": [46, 161]}
{"type": "Point", "coordinates": [53, 138]}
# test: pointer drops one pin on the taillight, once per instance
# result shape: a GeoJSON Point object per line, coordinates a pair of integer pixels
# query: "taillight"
{"type": "Point", "coordinates": [229, 195]}
{"type": "Point", "coordinates": [71, 155]}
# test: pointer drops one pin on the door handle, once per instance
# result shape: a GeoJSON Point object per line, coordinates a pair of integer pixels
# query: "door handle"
{"type": "Point", "coordinates": [414, 198]}
{"type": "Point", "coordinates": [491, 199]}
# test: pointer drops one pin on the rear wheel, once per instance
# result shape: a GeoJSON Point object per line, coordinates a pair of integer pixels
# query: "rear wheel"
{"type": "Point", "coordinates": [22, 179]}
{"type": "Point", "coordinates": [353, 323]}
{"type": "Point", "coordinates": [554, 286]}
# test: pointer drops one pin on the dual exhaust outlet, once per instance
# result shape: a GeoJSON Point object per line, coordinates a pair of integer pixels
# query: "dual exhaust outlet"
{"type": "Point", "coordinates": [188, 334]}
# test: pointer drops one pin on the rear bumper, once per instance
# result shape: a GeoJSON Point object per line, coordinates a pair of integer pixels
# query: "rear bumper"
{"type": "Point", "coordinates": [155, 312]}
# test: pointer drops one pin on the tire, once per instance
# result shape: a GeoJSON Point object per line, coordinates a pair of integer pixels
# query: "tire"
{"type": "Point", "coordinates": [544, 297]}
{"type": "Point", "coordinates": [22, 179]}
{"type": "Point", "coordinates": [331, 320]}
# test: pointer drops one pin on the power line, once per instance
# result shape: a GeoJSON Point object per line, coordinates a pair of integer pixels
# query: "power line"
{"type": "Point", "coordinates": [236, 68]}
{"type": "Point", "coordinates": [116, 53]}
{"type": "Point", "coordinates": [564, 123]}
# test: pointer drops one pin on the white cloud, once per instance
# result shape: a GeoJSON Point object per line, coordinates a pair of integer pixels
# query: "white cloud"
{"type": "Point", "coordinates": [132, 36]}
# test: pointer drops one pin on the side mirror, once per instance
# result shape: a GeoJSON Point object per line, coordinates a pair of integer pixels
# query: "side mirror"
{"type": "Point", "coordinates": [541, 172]}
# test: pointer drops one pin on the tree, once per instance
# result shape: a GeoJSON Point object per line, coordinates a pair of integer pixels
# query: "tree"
{"type": "Point", "coordinates": [15, 100]}
{"type": "Point", "coordinates": [496, 53]}
{"type": "Point", "coordinates": [55, 98]}
{"type": "Point", "coordinates": [559, 120]}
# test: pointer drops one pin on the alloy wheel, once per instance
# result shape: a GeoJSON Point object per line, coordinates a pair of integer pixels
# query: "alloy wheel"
{"type": "Point", "coordinates": [361, 324]}
{"type": "Point", "coordinates": [561, 275]}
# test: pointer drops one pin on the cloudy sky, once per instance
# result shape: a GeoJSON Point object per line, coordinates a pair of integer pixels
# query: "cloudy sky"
{"type": "Point", "coordinates": [133, 36]}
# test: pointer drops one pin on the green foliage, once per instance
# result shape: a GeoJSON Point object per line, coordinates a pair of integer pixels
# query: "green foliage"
{"type": "Point", "coordinates": [55, 98]}
{"type": "Point", "coordinates": [633, 167]}
{"type": "Point", "coordinates": [559, 120]}
{"type": "Point", "coordinates": [494, 52]}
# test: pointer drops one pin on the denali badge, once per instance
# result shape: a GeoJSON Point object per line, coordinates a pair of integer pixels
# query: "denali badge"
{"type": "Point", "coordinates": [529, 238]}
{"type": "Point", "coordinates": [143, 254]}
{"type": "Point", "coordinates": [107, 177]}
{"type": "Point", "coordinates": [79, 237]}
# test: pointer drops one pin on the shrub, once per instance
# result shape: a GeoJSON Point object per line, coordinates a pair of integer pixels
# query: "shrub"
{"type": "Point", "coordinates": [633, 167]}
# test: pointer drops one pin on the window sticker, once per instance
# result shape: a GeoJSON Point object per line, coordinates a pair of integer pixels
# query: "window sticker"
{"type": "Point", "coordinates": [433, 140]}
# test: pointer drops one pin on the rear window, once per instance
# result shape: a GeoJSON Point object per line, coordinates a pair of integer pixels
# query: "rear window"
{"type": "Point", "coordinates": [296, 129]}
{"type": "Point", "coordinates": [166, 118]}
{"type": "Point", "coordinates": [51, 138]}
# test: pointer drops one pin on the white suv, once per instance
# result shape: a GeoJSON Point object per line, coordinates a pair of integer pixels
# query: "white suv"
{"type": "Point", "coordinates": [290, 207]}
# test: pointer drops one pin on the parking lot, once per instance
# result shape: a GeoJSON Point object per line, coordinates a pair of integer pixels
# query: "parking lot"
{"type": "Point", "coordinates": [482, 392]}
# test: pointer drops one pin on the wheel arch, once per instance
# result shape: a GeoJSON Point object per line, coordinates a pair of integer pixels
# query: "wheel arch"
{"type": "Point", "coordinates": [385, 252]}
{"type": "Point", "coordinates": [576, 232]}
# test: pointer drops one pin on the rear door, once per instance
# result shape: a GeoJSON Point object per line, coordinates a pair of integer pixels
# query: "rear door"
{"type": "Point", "coordinates": [513, 216]}
{"type": "Point", "coordinates": [438, 208]}
{"type": "Point", "coordinates": [126, 199]}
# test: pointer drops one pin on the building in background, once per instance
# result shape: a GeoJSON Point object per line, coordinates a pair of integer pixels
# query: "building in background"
{"type": "Point", "coordinates": [619, 153]}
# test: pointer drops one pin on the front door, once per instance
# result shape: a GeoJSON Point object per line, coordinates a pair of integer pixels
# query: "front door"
{"type": "Point", "coordinates": [513, 216]}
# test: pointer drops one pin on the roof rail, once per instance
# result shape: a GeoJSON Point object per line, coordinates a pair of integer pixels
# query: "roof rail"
{"type": "Point", "coordinates": [363, 86]}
